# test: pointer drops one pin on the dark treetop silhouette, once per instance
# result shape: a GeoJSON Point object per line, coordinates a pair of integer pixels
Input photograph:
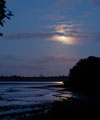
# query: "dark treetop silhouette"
{"type": "Point", "coordinates": [85, 76]}
{"type": "Point", "coordinates": [4, 13]}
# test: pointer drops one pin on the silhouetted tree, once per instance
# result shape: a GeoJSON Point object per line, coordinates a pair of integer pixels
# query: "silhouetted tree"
{"type": "Point", "coordinates": [85, 75]}
{"type": "Point", "coordinates": [4, 13]}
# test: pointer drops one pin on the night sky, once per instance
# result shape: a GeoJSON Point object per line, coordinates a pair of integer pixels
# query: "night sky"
{"type": "Point", "coordinates": [47, 37]}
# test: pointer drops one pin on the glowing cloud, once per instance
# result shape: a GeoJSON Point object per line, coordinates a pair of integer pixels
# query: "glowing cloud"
{"type": "Point", "coordinates": [66, 33]}
{"type": "Point", "coordinates": [64, 39]}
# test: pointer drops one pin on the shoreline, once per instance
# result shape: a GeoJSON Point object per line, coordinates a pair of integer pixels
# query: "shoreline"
{"type": "Point", "coordinates": [51, 110]}
{"type": "Point", "coordinates": [45, 111]}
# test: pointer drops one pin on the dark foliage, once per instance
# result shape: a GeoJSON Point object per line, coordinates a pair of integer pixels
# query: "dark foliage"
{"type": "Point", "coordinates": [4, 13]}
{"type": "Point", "coordinates": [31, 79]}
{"type": "Point", "coordinates": [85, 76]}
{"type": "Point", "coordinates": [68, 109]}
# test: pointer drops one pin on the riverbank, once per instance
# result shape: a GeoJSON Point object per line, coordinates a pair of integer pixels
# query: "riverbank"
{"type": "Point", "coordinates": [59, 110]}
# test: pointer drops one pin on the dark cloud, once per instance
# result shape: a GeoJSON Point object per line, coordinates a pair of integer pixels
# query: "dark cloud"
{"type": "Point", "coordinates": [42, 35]}
{"type": "Point", "coordinates": [63, 32]}
{"type": "Point", "coordinates": [34, 36]}
{"type": "Point", "coordinates": [66, 33]}
{"type": "Point", "coordinates": [53, 36]}
{"type": "Point", "coordinates": [79, 36]}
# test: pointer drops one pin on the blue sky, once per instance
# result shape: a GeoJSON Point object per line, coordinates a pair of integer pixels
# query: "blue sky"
{"type": "Point", "coordinates": [47, 37]}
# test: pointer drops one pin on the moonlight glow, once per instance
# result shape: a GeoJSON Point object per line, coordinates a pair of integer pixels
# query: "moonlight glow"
{"type": "Point", "coordinates": [64, 39]}
{"type": "Point", "coordinates": [64, 34]}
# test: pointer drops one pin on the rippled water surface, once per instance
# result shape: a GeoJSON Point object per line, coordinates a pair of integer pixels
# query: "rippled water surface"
{"type": "Point", "coordinates": [29, 94]}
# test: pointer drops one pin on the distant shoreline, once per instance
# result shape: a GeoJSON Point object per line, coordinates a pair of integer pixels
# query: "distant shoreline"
{"type": "Point", "coordinates": [32, 79]}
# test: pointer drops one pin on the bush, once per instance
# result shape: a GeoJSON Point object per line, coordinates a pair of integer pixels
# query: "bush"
{"type": "Point", "coordinates": [85, 75]}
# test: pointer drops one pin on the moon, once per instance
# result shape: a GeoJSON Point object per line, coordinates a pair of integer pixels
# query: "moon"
{"type": "Point", "coordinates": [64, 39]}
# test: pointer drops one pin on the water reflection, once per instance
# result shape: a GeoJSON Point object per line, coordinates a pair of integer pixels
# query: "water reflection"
{"type": "Point", "coordinates": [28, 94]}
{"type": "Point", "coordinates": [61, 83]}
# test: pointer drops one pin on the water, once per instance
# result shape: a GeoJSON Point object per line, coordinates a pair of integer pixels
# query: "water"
{"type": "Point", "coordinates": [24, 96]}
